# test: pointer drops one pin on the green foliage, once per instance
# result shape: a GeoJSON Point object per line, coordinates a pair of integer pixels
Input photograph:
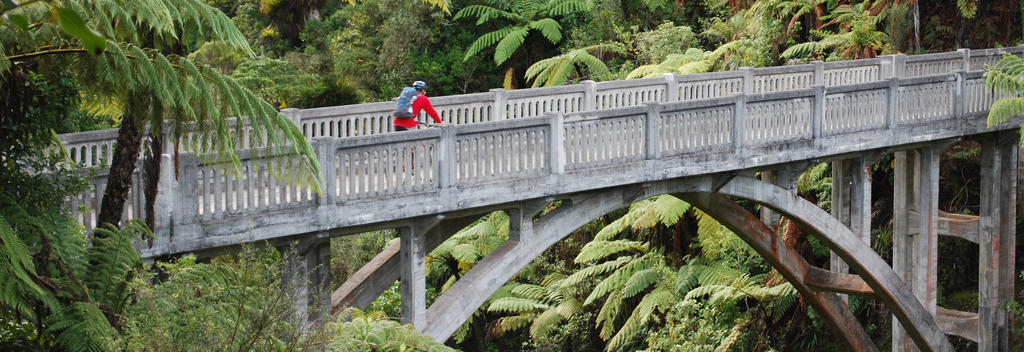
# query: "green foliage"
{"type": "Point", "coordinates": [542, 307]}
{"type": "Point", "coordinates": [859, 36]}
{"type": "Point", "coordinates": [233, 303]}
{"type": "Point", "coordinates": [526, 16]}
{"type": "Point", "coordinates": [692, 61]}
{"type": "Point", "coordinates": [557, 70]}
{"type": "Point", "coordinates": [816, 184]}
{"type": "Point", "coordinates": [1005, 80]}
{"type": "Point", "coordinates": [186, 94]}
{"type": "Point", "coordinates": [656, 45]}
{"type": "Point", "coordinates": [278, 82]}
{"type": "Point", "coordinates": [359, 331]}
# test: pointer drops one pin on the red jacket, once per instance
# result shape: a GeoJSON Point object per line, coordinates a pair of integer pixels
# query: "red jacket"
{"type": "Point", "coordinates": [421, 103]}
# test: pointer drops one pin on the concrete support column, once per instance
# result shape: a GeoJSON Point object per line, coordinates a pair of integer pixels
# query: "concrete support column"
{"type": "Point", "coordinates": [851, 202]}
{"type": "Point", "coordinates": [307, 277]}
{"type": "Point", "coordinates": [915, 255]}
{"type": "Point", "coordinates": [414, 276]}
{"type": "Point", "coordinates": [996, 239]}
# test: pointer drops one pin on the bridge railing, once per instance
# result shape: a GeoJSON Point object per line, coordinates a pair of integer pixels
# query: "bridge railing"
{"type": "Point", "coordinates": [370, 168]}
{"type": "Point", "coordinates": [499, 104]}
{"type": "Point", "coordinates": [492, 137]}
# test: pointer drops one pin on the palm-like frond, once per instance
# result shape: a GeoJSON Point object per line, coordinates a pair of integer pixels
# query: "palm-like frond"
{"type": "Point", "coordinates": [1006, 79]}
{"type": "Point", "coordinates": [557, 70]}
{"type": "Point", "coordinates": [597, 250]}
{"type": "Point", "coordinates": [549, 28]}
{"type": "Point", "coordinates": [509, 44]}
{"type": "Point", "coordinates": [484, 13]}
{"type": "Point", "coordinates": [661, 299]}
{"type": "Point", "coordinates": [487, 40]}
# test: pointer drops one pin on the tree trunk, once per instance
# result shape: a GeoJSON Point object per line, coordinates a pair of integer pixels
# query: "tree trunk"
{"type": "Point", "coordinates": [151, 172]}
{"type": "Point", "coordinates": [917, 26]}
{"type": "Point", "coordinates": [126, 153]}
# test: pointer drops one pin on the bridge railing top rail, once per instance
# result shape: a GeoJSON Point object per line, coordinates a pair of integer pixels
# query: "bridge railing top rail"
{"type": "Point", "coordinates": [499, 104]}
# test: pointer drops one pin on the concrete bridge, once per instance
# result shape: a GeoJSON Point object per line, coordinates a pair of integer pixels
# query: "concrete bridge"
{"type": "Point", "coordinates": [597, 147]}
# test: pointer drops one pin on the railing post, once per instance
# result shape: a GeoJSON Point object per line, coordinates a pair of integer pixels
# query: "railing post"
{"type": "Point", "coordinates": [589, 95]}
{"type": "Point", "coordinates": [899, 66]}
{"type": "Point", "coordinates": [671, 88]}
{"type": "Point", "coordinates": [325, 152]}
{"type": "Point", "coordinates": [186, 204]}
{"type": "Point", "coordinates": [295, 115]}
{"type": "Point", "coordinates": [446, 161]}
{"type": "Point", "coordinates": [960, 99]}
{"type": "Point", "coordinates": [739, 118]}
{"type": "Point", "coordinates": [652, 136]}
{"type": "Point", "coordinates": [748, 80]}
{"type": "Point", "coordinates": [499, 110]}
{"type": "Point", "coordinates": [885, 67]}
{"type": "Point", "coordinates": [556, 143]}
{"type": "Point", "coordinates": [966, 61]}
{"type": "Point", "coordinates": [819, 73]}
{"type": "Point", "coordinates": [818, 115]}
{"type": "Point", "coordinates": [892, 103]}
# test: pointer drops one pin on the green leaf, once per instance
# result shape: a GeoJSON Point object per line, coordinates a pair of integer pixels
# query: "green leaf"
{"type": "Point", "coordinates": [19, 20]}
{"type": "Point", "coordinates": [74, 26]}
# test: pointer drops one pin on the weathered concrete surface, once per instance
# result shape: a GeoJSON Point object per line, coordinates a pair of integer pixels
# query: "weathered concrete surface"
{"type": "Point", "coordinates": [307, 277]}
{"type": "Point", "coordinates": [997, 239]}
{"type": "Point", "coordinates": [366, 284]}
{"type": "Point", "coordinates": [824, 280]}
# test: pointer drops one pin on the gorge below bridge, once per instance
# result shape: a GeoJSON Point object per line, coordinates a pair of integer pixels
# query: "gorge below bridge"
{"type": "Point", "coordinates": [595, 147]}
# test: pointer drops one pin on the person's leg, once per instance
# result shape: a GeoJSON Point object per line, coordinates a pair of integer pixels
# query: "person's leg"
{"type": "Point", "coordinates": [400, 128]}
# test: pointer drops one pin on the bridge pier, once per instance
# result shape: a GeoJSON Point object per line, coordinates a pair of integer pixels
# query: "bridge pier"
{"type": "Point", "coordinates": [916, 246]}
{"type": "Point", "coordinates": [412, 258]}
{"type": "Point", "coordinates": [307, 277]}
{"type": "Point", "coordinates": [851, 202]}
{"type": "Point", "coordinates": [997, 239]}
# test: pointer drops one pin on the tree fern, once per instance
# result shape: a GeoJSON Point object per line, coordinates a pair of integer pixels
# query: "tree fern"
{"type": "Point", "coordinates": [557, 70]}
{"type": "Point", "coordinates": [525, 16]}
{"type": "Point", "coordinates": [542, 307]}
{"type": "Point", "coordinates": [659, 300]}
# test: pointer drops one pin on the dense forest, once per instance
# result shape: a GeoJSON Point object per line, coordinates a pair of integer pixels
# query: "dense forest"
{"type": "Point", "coordinates": [659, 275]}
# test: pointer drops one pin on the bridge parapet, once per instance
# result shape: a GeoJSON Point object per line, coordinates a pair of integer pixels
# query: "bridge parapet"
{"type": "Point", "coordinates": [499, 104]}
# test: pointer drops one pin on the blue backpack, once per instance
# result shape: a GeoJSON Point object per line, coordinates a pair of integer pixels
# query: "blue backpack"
{"type": "Point", "coordinates": [404, 108]}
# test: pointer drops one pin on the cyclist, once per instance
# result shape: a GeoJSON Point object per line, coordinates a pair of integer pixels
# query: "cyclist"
{"type": "Point", "coordinates": [412, 100]}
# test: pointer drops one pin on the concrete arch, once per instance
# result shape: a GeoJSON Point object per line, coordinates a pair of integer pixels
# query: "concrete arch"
{"type": "Point", "coordinates": [460, 301]}
{"type": "Point", "coordinates": [887, 285]}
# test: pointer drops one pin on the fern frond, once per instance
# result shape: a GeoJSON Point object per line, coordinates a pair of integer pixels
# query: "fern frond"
{"type": "Point", "coordinates": [516, 305]}
{"type": "Point", "coordinates": [530, 291]}
{"type": "Point", "coordinates": [607, 315]}
{"type": "Point", "coordinates": [549, 28]}
{"type": "Point", "coordinates": [566, 7]}
{"type": "Point", "coordinates": [509, 44]}
{"type": "Point", "coordinates": [800, 50]}
{"type": "Point", "coordinates": [545, 323]}
{"type": "Point", "coordinates": [730, 341]}
{"type": "Point", "coordinates": [594, 270]}
{"type": "Point", "coordinates": [597, 250]}
{"type": "Point", "coordinates": [639, 282]}
{"type": "Point", "coordinates": [511, 323]}
{"type": "Point", "coordinates": [486, 40]}
{"type": "Point", "coordinates": [660, 299]}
